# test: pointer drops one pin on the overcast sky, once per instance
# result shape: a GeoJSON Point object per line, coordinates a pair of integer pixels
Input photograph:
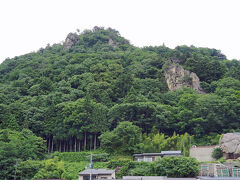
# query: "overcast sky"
{"type": "Point", "coordinates": [28, 25]}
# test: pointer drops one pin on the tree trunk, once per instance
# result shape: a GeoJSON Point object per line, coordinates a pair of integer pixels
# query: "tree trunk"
{"type": "Point", "coordinates": [95, 141]}
{"type": "Point", "coordinates": [75, 145]}
{"type": "Point", "coordinates": [52, 145]}
{"type": "Point", "coordinates": [85, 140]}
{"type": "Point", "coordinates": [79, 146]}
{"type": "Point", "coordinates": [64, 146]}
{"type": "Point", "coordinates": [90, 142]}
{"type": "Point", "coordinates": [70, 144]}
{"type": "Point", "coordinates": [60, 146]}
{"type": "Point", "coordinates": [49, 145]}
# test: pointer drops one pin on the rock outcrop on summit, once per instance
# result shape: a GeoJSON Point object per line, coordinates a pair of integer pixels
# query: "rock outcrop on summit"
{"type": "Point", "coordinates": [177, 77]}
{"type": "Point", "coordinates": [71, 40]}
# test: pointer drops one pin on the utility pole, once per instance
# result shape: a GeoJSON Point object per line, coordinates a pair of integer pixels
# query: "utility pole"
{"type": "Point", "coordinates": [91, 166]}
{"type": "Point", "coordinates": [90, 174]}
{"type": "Point", "coordinates": [91, 163]}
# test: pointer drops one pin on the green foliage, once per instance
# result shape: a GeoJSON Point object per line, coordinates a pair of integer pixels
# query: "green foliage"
{"type": "Point", "coordinates": [82, 156]}
{"type": "Point", "coordinates": [234, 70]}
{"type": "Point", "coordinates": [72, 169]}
{"type": "Point", "coordinates": [28, 169]}
{"type": "Point", "coordinates": [155, 143]}
{"type": "Point", "coordinates": [122, 139]}
{"type": "Point", "coordinates": [217, 153]}
{"type": "Point", "coordinates": [137, 169]}
{"type": "Point", "coordinates": [143, 114]}
{"type": "Point", "coordinates": [211, 139]}
{"type": "Point", "coordinates": [16, 147]}
{"type": "Point", "coordinates": [222, 160]}
{"type": "Point", "coordinates": [52, 168]}
{"type": "Point", "coordinates": [113, 164]}
{"type": "Point", "coordinates": [177, 166]}
{"type": "Point", "coordinates": [206, 68]}
{"type": "Point", "coordinates": [71, 97]}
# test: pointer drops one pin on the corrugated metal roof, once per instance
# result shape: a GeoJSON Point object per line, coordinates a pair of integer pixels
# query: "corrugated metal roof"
{"type": "Point", "coordinates": [170, 152]}
{"type": "Point", "coordinates": [96, 171]}
{"type": "Point", "coordinates": [158, 154]}
{"type": "Point", "coordinates": [148, 154]}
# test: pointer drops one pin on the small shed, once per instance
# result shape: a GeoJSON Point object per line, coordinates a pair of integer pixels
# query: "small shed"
{"type": "Point", "coordinates": [96, 174]}
{"type": "Point", "coordinates": [147, 157]}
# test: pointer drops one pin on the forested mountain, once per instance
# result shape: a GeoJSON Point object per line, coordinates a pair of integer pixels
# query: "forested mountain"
{"type": "Point", "coordinates": [70, 94]}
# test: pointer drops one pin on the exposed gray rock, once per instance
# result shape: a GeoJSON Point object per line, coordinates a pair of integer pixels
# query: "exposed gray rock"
{"type": "Point", "coordinates": [71, 40]}
{"type": "Point", "coordinates": [112, 43]}
{"type": "Point", "coordinates": [230, 143]}
{"type": "Point", "coordinates": [176, 77]}
{"type": "Point", "coordinates": [96, 28]}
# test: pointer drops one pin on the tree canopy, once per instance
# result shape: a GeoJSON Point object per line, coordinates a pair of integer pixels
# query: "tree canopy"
{"type": "Point", "coordinates": [16, 147]}
{"type": "Point", "coordinates": [70, 97]}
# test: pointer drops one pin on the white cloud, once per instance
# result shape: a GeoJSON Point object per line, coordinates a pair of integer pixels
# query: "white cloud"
{"type": "Point", "coordinates": [28, 25]}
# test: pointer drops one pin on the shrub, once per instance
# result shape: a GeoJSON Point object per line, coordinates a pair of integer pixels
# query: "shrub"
{"type": "Point", "coordinates": [142, 169]}
{"type": "Point", "coordinates": [82, 156]}
{"type": "Point", "coordinates": [117, 163]}
{"type": "Point", "coordinates": [122, 139]}
{"type": "Point", "coordinates": [222, 160]}
{"type": "Point", "coordinates": [52, 168]}
{"type": "Point", "coordinates": [128, 168]}
{"type": "Point", "coordinates": [28, 169]}
{"type": "Point", "coordinates": [217, 153]}
{"type": "Point", "coordinates": [176, 166]}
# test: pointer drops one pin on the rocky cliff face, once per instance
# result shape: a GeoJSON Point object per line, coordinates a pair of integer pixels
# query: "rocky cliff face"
{"type": "Point", "coordinates": [230, 143]}
{"type": "Point", "coordinates": [70, 41]}
{"type": "Point", "coordinates": [176, 77]}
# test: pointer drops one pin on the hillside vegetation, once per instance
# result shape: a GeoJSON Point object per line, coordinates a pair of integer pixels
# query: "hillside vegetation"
{"type": "Point", "coordinates": [71, 96]}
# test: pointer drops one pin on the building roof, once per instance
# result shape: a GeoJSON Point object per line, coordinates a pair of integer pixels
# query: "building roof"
{"type": "Point", "coordinates": [170, 152]}
{"type": "Point", "coordinates": [148, 154]}
{"type": "Point", "coordinates": [159, 154]}
{"type": "Point", "coordinates": [96, 171]}
{"type": "Point", "coordinates": [210, 146]}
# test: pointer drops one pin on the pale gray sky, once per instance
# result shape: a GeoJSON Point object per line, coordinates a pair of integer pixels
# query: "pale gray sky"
{"type": "Point", "coordinates": [27, 25]}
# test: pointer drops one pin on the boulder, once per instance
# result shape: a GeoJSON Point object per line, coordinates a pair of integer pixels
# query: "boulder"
{"type": "Point", "coordinates": [230, 143]}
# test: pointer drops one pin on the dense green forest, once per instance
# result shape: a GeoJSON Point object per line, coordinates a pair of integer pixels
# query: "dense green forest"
{"type": "Point", "coordinates": [70, 97]}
